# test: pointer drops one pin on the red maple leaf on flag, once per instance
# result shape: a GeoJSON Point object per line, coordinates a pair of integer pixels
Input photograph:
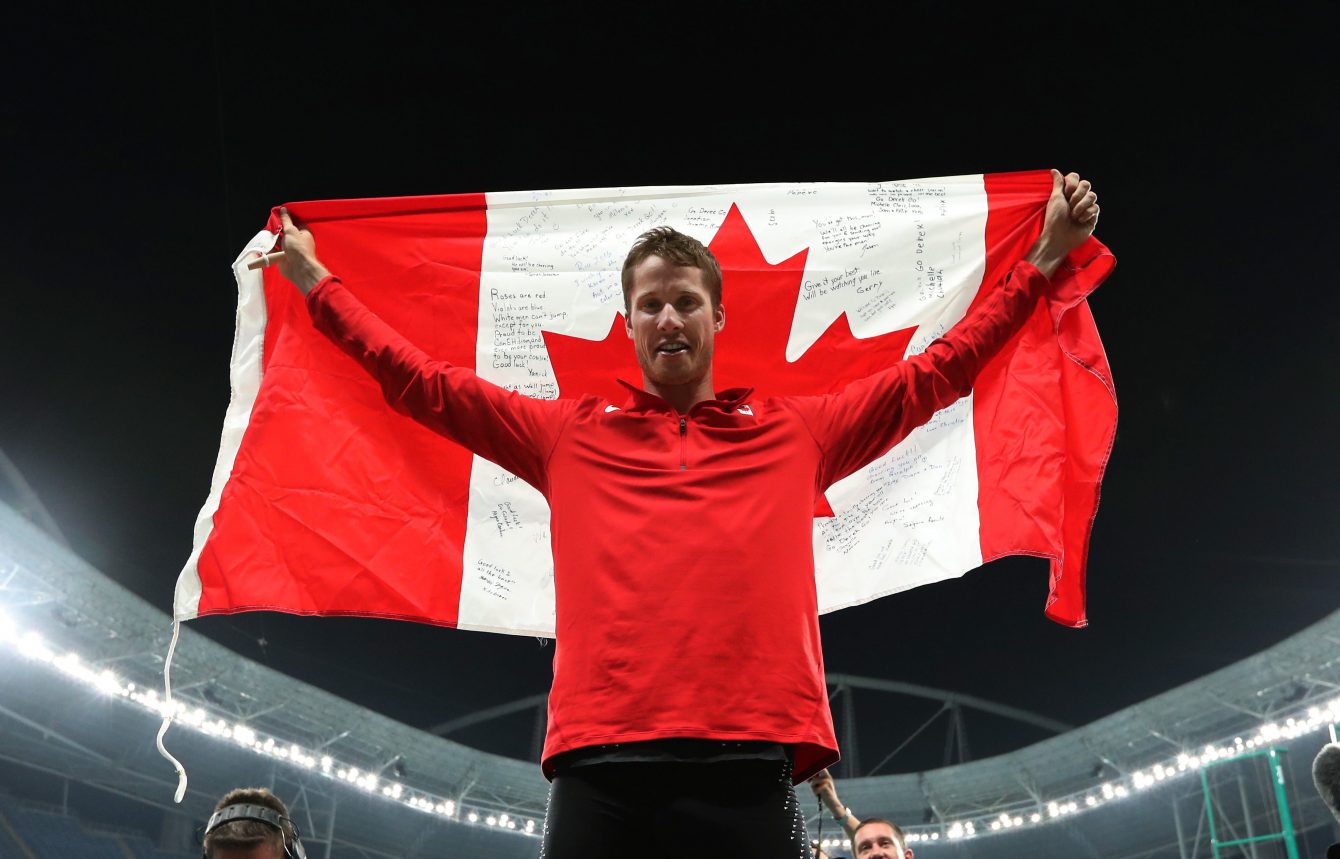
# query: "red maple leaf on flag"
{"type": "Point", "coordinates": [761, 300]}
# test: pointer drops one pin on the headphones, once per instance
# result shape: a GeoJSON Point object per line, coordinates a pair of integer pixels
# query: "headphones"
{"type": "Point", "coordinates": [292, 845]}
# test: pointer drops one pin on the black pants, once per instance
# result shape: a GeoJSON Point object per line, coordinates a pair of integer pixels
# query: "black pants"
{"type": "Point", "coordinates": [737, 809]}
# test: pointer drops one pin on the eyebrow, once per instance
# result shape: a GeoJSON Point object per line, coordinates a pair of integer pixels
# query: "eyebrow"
{"type": "Point", "coordinates": [687, 293]}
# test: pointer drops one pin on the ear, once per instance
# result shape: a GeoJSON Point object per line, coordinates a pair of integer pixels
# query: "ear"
{"type": "Point", "coordinates": [719, 317]}
{"type": "Point", "coordinates": [628, 326]}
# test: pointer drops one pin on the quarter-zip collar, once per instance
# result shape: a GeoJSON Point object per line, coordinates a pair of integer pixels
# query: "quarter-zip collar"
{"type": "Point", "coordinates": [642, 401]}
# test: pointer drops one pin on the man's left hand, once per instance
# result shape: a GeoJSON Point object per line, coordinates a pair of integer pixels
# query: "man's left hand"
{"type": "Point", "coordinates": [1072, 214]}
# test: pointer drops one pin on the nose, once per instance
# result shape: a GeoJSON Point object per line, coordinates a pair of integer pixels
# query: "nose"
{"type": "Point", "coordinates": [668, 319]}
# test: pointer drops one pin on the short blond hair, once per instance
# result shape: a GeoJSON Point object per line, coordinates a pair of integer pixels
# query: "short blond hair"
{"type": "Point", "coordinates": [674, 247]}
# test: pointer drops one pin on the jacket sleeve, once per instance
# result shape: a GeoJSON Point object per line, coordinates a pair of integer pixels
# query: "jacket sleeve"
{"type": "Point", "coordinates": [512, 430]}
{"type": "Point", "coordinates": [867, 418]}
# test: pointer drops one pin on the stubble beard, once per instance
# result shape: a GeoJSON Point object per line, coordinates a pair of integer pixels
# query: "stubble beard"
{"type": "Point", "coordinates": [697, 368]}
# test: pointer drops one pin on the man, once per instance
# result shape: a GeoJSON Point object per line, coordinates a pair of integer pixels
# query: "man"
{"type": "Point", "coordinates": [872, 838]}
{"type": "Point", "coordinates": [877, 838]}
{"type": "Point", "coordinates": [687, 629]}
{"type": "Point", "coordinates": [251, 823]}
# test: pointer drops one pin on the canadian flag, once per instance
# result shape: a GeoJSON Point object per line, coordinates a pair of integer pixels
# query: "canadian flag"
{"type": "Point", "coordinates": [324, 501]}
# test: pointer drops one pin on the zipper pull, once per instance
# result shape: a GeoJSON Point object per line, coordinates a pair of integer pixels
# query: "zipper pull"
{"type": "Point", "coordinates": [683, 426]}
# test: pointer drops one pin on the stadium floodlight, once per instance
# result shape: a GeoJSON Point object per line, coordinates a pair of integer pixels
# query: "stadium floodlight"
{"type": "Point", "coordinates": [34, 647]}
{"type": "Point", "coordinates": [31, 645]}
{"type": "Point", "coordinates": [1316, 717]}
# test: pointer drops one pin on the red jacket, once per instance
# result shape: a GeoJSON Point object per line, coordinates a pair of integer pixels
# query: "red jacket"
{"type": "Point", "coordinates": [683, 564]}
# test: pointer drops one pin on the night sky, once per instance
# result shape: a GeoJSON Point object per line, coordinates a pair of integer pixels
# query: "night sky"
{"type": "Point", "coordinates": [143, 148]}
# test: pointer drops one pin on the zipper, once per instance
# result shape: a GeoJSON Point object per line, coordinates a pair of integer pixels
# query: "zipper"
{"type": "Point", "coordinates": [683, 437]}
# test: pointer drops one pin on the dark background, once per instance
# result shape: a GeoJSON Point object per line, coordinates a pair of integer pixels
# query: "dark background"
{"type": "Point", "coordinates": [142, 147]}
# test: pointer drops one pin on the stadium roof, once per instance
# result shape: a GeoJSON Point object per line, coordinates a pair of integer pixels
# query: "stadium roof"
{"type": "Point", "coordinates": [1121, 786]}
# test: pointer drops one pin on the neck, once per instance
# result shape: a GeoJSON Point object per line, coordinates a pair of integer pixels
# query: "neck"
{"type": "Point", "coordinates": [682, 397]}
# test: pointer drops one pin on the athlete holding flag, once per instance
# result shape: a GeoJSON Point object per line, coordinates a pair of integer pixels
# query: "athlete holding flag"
{"type": "Point", "coordinates": [688, 691]}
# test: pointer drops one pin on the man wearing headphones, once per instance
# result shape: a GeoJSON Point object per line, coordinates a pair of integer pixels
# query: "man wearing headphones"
{"type": "Point", "coordinates": [251, 823]}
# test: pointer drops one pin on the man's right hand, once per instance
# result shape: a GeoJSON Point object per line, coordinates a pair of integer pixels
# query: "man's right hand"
{"type": "Point", "coordinates": [299, 263]}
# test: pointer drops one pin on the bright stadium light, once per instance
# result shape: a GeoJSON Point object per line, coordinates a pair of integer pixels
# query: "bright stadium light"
{"type": "Point", "coordinates": [31, 645]}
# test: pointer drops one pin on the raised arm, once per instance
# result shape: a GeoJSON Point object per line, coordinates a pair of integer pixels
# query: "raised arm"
{"type": "Point", "coordinates": [868, 417]}
{"type": "Point", "coordinates": [512, 430]}
{"type": "Point", "coordinates": [947, 369]}
{"type": "Point", "coordinates": [824, 788]}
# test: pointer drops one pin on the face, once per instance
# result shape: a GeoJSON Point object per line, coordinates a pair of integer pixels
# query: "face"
{"type": "Point", "coordinates": [672, 323]}
{"type": "Point", "coordinates": [877, 841]}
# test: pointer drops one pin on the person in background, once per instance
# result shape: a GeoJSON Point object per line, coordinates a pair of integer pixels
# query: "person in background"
{"type": "Point", "coordinates": [872, 838]}
{"type": "Point", "coordinates": [251, 823]}
{"type": "Point", "coordinates": [1326, 776]}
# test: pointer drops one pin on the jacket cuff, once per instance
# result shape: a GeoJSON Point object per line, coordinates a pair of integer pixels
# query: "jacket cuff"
{"type": "Point", "coordinates": [314, 294]}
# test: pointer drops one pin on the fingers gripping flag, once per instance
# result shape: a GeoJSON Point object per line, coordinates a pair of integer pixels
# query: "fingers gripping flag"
{"type": "Point", "coordinates": [325, 501]}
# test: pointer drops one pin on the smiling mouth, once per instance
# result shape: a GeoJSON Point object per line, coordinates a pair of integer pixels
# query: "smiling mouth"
{"type": "Point", "coordinates": [672, 348]}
